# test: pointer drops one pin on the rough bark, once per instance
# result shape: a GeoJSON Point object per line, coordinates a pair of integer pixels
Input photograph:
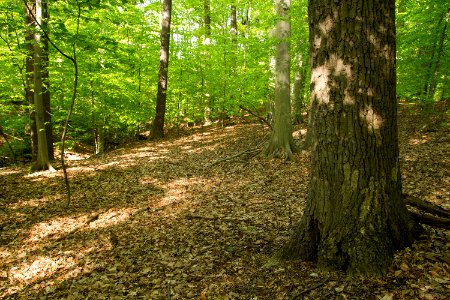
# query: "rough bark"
{"type": "Point", "coordinates": [281, 143]}
{"type": "Point", "coordinates": [355, 216]}
{"type": "Point", "coordinates": [158, 122]}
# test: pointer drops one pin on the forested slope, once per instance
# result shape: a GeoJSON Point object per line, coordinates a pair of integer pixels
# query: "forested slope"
{"type": "Point", "coordinates": [176, 220]}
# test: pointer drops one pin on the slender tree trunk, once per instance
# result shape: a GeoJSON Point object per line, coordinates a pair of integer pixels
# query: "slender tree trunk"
{"type": "Point", "coordinates": [297, 96]}
{"type": "Point", "coordinates": [207, 17]}
{"type": "Point", "coordinates": [226, 72]}
{"type": "Point", "coordinates": [233, 59]}
{"type": "Point", "coordinates": [46, 81]}
{"type": "Point", "coordinates": [281, 143]}
{"type": "Point", "coordinates": [355, 216]}
{"type": "Point", "coordinates": [246, 23]}
{"type": "Point", "coordinates": [233, 36]}
{"type": "Point", "coordinates": [429, 65]}
{"type": "Point", "coordinates": [206, 99]}
{"type": "Point", "coordinates": [42, 162]}
{"type": "Point", "coordinates": [445, 87]}
{"type": "Point", "coordinates": [158, 122]}
{"type": "Point", "coordinates": [30, 28]}
{"type": "Point", "coordinates": [434, 80]}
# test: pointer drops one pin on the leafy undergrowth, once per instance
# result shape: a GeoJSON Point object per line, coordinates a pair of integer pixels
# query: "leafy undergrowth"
{"type": "Point", "coordinates": [162, 220]}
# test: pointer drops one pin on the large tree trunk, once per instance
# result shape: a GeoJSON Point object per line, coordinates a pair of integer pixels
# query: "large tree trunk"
{"type": "Point", "coordinates": [158, 122]}
{"type": "Point", "coordinates": [355, 217]}
{"type": "Point", "coordinates": [281, 143]}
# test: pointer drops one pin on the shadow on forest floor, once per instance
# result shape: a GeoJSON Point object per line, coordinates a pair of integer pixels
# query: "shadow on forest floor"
{"type": "Point", "coordinates": [161, 221]}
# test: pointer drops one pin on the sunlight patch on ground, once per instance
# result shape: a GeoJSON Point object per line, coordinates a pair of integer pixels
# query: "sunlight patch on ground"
{"type": "Point", "coordinates": [41, 267]}
{"type": "Point", "coordinates": [79, 171]}
{"type": "Point", "coordinates": [177, 191]}
{"type": "Point", "coordinates": [138, 154]}
{"type": "Point", "coordinates": [64, 263]}
{"type": "Point", "coordinates": [76, 156]}
{"type": "Point", "coordinates": [35, 202]}
{"type": "Point", "coordinates": [9, 172]}
{"type": "Point", "coordinates": [423, 140]}
{"type": "Point", "coordinates": [108, 165]}
{"type": "Point", "coordinates": [112, 217]}
{"type": "Point", "coordinates": [149, 180]}
{"type": "Point", "coordinates": [43, 175]}
{"type": "Point", "coordinates": [134, 155]}
{"type": "Point", "coordinates": [57, 226]}
{"type": "Point", "coordinates": [64, 225]}
{"type": "Point", "coordinates": [299, 133]}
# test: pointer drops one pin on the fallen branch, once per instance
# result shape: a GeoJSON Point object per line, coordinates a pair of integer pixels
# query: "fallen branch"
{"type": "Point", "coordinates": [431, 220]}
{"type": "Point", "coordinates": [426, 206]}
{"type": "Point", "coordinates": [429, 214]}
{"type": "Point", "coordinates": [311, 288]}
{"type": "Point", "coordinates": [264, 120]}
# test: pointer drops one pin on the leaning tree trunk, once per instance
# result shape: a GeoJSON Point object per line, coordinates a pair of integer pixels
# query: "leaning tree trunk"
{"type": "Point", "coordinates": [355, 217]}
{"type": "Point", "coordinates": [158, 122]}
{"type": "Point", "coordinates": [281, 143]}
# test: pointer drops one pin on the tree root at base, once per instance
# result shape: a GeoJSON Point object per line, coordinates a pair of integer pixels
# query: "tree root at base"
{"type": "Point", "coordinates": [429, 214]}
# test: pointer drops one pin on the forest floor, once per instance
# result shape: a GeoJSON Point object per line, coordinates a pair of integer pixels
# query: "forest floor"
{"type": "Point", "coordinates": [164, 220]}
